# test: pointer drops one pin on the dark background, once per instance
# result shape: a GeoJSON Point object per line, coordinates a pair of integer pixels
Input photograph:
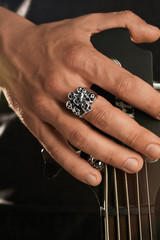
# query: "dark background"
{"type": "Point", "coordinates": [21, 163]}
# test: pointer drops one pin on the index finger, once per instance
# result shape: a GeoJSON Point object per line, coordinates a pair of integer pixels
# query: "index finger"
{"type": "Point", "coordinates": [102, 71]}
{"type": "Point", "coordinates": [126, 86]}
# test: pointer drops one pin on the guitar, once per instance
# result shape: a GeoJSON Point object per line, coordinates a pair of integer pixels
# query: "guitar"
{"type": "Point", "coordinates": [127, 201]}
{"type": "Point", "coordinates": [128, 209]}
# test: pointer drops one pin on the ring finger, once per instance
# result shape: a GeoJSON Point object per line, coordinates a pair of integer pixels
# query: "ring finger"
{"type": "Point", "coordinates": [82, 136]}
{"type": "Point", "coordinates": [119, 125]}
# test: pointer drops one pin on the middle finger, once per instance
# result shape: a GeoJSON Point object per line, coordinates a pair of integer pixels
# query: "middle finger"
{"type": "Point", "coordinates": [119, 125]}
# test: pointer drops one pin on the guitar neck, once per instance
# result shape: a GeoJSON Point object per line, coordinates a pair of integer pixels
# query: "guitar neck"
{"type": "Point", "coordinates": [129, 200]}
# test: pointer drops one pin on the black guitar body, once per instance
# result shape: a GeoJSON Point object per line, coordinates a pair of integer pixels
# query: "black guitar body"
{"type": "Point", "coordinates": [116, 44]}
{"type": "Point", "coordinates": [135, 218]}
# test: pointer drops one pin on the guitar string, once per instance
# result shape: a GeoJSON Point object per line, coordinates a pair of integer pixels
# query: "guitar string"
{"type": "Point", "coordinates": [139, 207]}
{"type": "Point", "coordinates": [148, 200]}
{"type": "Point", "coordinates": [132, 115]}
{"type": "Point", "coordinates": [128, 207]}
{"type": "Point", "coordinates": [123, 106]}
{"type": "Point", "coordinates": [115, 178]}
{"type": "Point", "coordinates": [106, 219]}
{"type": "Point", "coordinates": [117, 204]}
{"type": "Point", "coordinates": [120, 104]}
{"type": "Point", "coordinates": [138, 196]}
{"type": "Point", "coordinates": [148, 193]}
{"type": "Point", "coordinates": [157, 87]}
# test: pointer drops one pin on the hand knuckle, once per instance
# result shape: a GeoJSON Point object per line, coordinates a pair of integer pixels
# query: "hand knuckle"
{"type": "Point", "coordinates": [54, 151]}
{"type": "Point", "coordinates": [131, 16]}
{"type": "Point", "coordinates": [100, 117]}
{"type": "Point", "coordinates": [124, 86]}
{"type": "Point", "coordinates": [74, 55]}
{"type": "Point", "coordinates": [90, 65]}
{"type": "Point", "coordinates": [76, 139]}
{"type": "Point", "coordinates": [128, 14]}
{"type": "Point", "coordinates": [51, 83]}
{"type": "Point", "coordinates": [72, 169]}
{"type": "Point", "coordinates": [132, 138]}
{"type": "Point", "coordinates": [38, 104]}
{"type": "Point", "coordinates": [108, 158]}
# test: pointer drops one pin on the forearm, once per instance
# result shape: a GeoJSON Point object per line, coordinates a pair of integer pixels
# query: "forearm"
{"type": "Point", "coordinates": [12, 28]}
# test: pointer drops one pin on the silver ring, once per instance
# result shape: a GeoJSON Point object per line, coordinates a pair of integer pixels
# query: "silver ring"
{"type": "Point", "coordinates": [80, 101]}
{"type": "Point", "coordinates": [99, 165]}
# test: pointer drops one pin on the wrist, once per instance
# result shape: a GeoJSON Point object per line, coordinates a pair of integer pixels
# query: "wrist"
{"type": "Point", "coordinates": [13, 30]}
{"type": "Point", "coordinates": [12, 22]}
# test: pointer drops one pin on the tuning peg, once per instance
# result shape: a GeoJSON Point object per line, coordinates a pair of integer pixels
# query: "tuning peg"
{"type": "Point", "coordinates": [156, 86]}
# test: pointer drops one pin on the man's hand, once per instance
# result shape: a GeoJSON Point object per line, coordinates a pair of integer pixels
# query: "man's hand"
{"type": "Point", "coordinates": [40, 65]}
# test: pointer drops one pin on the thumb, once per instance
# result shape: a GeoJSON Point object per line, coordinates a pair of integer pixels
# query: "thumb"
{"type": "Point", "coordinates": [140, 31]}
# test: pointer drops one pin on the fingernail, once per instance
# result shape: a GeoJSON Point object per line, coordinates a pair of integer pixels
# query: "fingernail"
{"type": "Point", "coordinates": [158, 117]}
{"type": "Point", "coordinates": [153, 151]}
{"type": "Point", "coordinates": [91, 180]}
{"type": "Point", "coordinates": [131, 165]}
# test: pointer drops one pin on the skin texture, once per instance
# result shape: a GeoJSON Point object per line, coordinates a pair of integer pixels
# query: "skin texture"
{"type": "Point", "coordinates": [40, 65]}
